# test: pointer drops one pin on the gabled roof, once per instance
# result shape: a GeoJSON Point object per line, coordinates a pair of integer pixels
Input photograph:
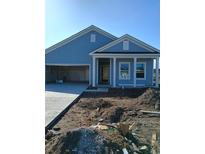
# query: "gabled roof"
{"type": "Point", "coordinates": [82, 32]}
{"type": "Point", "coordinates": [131, 39]}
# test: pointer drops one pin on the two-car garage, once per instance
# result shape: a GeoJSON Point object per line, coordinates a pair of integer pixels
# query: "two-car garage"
{"type": "Point", "coordinates": [71, 73]}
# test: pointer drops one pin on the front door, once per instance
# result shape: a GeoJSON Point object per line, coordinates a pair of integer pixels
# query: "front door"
{"type": "Point", "coordinates": [104, 73]}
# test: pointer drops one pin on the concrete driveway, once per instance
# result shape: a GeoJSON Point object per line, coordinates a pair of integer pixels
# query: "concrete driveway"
{"type": "Point", "coordinates": [59, 96]}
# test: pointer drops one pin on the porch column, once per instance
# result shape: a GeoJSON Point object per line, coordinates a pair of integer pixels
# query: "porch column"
{"type": "Point", "coordinates": [135, 61]}
{"type": "Point", "coordinates": [153, 71]}
{"type": "Point", "coordinates": [93, 83]}
{"type": "Point", "coordinates": [110, 71]}
{"type": "Point", "coordinates": [97, 62]}
{"type": "Point", "coordinates": [114, 72]}
{"type": "Point", "coordinates": [157, 72]}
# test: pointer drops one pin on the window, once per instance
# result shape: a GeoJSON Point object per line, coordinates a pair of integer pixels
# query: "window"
{"type": "Point", "coordinates": [140, 70]}
{"type": "Point", "coordinates": [125, 45]}
{"type": "Point", "coordinates": [92, 38]}
{"type": "Point", "coordinates": [124, 70]}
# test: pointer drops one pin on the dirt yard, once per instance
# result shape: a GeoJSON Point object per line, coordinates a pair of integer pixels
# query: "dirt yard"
{"type": "Point", "coordinates": [119, 121]}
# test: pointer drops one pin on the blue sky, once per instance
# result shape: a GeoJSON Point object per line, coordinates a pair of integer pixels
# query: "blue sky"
{"type": "Point", "coordinates": [139, 18]}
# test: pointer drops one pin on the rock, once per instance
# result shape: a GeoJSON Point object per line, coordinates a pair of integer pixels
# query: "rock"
{"type": "Point", "coordinates": [98, 109]}
{"type": "Point", "coordinates": [118, 151]}
{"type": "Point", "coordinates": [132, 113]}
{"type": "Point", "coordinates": [124, 150]}
{"type": "Point", "coordinates": [143, 148]}
{"type": "Point", "coordinates": [136, 149]}
{"type": "Point", "coordinates": [81, 140]}
{"type": "Point", "coordinates": [101, 120]}
{"type": "Point", "coordinates": [102, 127]}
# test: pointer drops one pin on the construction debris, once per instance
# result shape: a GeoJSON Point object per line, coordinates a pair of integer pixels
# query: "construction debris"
{"type": "Point", "coordinates": [122, 124]}
{"type": "Point", "coordinates": [150, 112]}
{"type": "Point", "coordinates": [124, 128]}
{"type": "Point", "coordinates": [125, 151]}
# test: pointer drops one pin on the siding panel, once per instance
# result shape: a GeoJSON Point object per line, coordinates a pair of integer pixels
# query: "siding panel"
{"type": "Point", "coordinates": [77, 51]}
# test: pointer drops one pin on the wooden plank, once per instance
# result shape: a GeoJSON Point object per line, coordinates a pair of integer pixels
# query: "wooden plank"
{"type": "Point", "coordinates": [150, 112]}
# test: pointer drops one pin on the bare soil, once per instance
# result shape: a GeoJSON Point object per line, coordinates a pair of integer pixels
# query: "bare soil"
{"type": "Point", "coordinates": [111, 108]}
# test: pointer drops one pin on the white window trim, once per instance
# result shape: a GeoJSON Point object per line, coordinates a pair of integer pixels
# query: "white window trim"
{"type": "Point", "coordinates": [126, 45]}
{"type": "Point", "coordinates": [145, 70]}
{"type": "Point", "coordinates": [128, 70]}
{"type": "Point", "coordinates": [92, 38]}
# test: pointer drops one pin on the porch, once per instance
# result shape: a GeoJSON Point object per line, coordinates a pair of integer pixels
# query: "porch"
{"type": "Point", "coordinates": [124, 70]}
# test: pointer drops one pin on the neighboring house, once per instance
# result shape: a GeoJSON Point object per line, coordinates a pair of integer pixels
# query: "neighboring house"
{"type": "Point", "coordinates": [99, 58]}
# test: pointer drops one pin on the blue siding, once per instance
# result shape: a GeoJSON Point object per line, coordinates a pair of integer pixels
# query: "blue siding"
{"type": "Point", "coordinates": [149, 73]}
{"type": "Point", "coordinates": [149, 69]}
{"type": "Point", "coordinates": [130, 82]}
{"type": "Point", "coordinates": [77, 51]}
{"type": "Point", "coordinates": [132, 48]}
{"type": "Point", "coordinates": [118, 81]}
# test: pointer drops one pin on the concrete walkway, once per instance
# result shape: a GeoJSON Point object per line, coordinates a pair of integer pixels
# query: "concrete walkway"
{"type": "Point", "coordinates": [59, 96]}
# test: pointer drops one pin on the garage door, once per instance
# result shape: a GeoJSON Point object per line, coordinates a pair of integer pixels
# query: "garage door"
{"type": "Point", "coordinates": [67, 73]}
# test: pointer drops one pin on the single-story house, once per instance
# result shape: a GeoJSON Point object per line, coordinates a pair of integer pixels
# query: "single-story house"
{"type": "Point", "coordinates": [100, 58]}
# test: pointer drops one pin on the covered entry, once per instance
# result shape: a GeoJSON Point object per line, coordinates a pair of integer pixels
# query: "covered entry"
{"type": "Point", "coordinates": [103, 71]}
{"type": "Point", "coordinates": [67, 73]}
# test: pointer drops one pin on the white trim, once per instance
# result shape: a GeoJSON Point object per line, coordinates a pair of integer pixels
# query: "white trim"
{"type": "Point", "coordinates": [97, 62]}
{"type": "Point", "coordinates": [110, 72]}
{"type": "Point", "coordinates": [126, 55]}
{"type": "Point", "coordinates": [157, 72]}
{"type": "Point", "coordinates": [75, 36]}
{"type": "Point", "coordinates": [152, 71]}
{"type": "Point", "coordinates": [120, 70]}
{"type": "Point", "coordinates": [126, 37]}
{"type": "Point", "coordinates": [145, 70]}
{"type": "Point", "coordinates": [50, 64]}
{"type": "Point", "coordinates": [90, 75]}
{"type": "Point", "coordinates": [93, 83]}
{"type": "Point", "coordinates": [134, 72]}
{"type": "Point", "coordinates": [114, 72]}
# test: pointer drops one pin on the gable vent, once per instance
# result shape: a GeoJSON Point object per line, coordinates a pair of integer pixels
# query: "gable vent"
{"type": "Point", "coordinates": [125, 45]}
{"type": "Point", "coordinates": [92, 37]}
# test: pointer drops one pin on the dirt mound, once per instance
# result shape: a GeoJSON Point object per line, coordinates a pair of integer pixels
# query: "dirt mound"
{"type": "Point", "coordinates": [150, 97]}
{"type": "Point", "coordinates": [100, 103]}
